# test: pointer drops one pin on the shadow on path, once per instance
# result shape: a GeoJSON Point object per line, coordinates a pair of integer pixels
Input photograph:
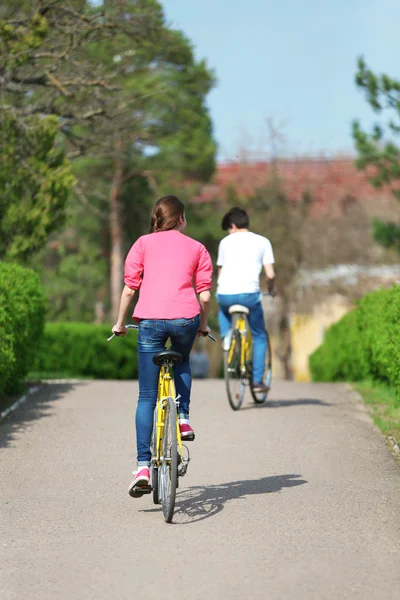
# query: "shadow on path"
{"type": "Point", "coordinates": [36, 406]}
{"type": "Point", "coordinates": [286, 403]}
{"type": "Point", "coordinates": [201, 502]}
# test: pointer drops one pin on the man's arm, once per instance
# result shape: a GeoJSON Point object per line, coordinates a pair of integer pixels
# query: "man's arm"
{"type": "Point", "coordinates": [270, 273]}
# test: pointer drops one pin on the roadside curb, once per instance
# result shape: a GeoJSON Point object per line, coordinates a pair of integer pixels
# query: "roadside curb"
{"type": "Point", "coordinates": [30, 392]}
{"type": "Point", "coordinates": [394, 447]}
{"type": "Point", "coordinates": [35, 388]}
{"type": "Point", "coordinates": [61, 381]}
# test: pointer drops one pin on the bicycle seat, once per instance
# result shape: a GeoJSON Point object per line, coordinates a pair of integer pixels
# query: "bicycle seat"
{"type": "Point", "coordinates": [238, 308]}
{"type": "Point", "coordinates": [167, 356]}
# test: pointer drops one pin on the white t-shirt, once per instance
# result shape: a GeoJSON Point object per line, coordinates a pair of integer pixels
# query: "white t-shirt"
{"type": "Point", "coordinates": [242, 256]}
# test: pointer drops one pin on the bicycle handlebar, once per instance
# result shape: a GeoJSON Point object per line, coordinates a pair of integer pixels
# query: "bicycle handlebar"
{"type": "Point", "coordinates": [132, 326]}
{"type": "Point", "coordinates": [129, 326]}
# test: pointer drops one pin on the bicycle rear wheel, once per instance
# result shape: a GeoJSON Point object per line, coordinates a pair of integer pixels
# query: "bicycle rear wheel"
{"type": "Point", "coordinates": [168, 475]}
{"type": "Point", "coordinates": [260, 397]}
{"type": "Point", "coordinates": [234, 381]}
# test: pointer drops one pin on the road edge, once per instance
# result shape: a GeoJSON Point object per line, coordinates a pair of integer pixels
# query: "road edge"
{"type": "Point", "coordinates": [30, 392]}
{"type": "Point", "coordinates": [390, 440]}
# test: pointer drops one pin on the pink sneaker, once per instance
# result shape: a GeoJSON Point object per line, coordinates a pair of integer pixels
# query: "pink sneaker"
{"type": "Point", "coordinates": [187, 432]}
{"type": "Point", "coordinates": [141, 479]}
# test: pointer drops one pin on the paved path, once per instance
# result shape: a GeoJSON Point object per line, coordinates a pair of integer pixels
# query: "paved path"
{"type": "Point", "coordinates": [297, 500]}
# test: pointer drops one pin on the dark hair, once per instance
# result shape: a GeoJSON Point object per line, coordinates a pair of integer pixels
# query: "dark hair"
{"type": "Point", "coordinates": [166, 214]}
{"type": "Point", "coordinates": [236, 216]}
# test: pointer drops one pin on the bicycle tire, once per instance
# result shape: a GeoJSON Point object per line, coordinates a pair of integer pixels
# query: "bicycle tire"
{"type": "Point", "coordinates": [168, 475]}
{"type": "Point", "coordinates": [155, 483]}
{"type": "Point", "coordinates": [260, 397]}
{"type": "Point", "coordinates": [155, 471]}
{"type": "Point", "coordinates": [234, 381]}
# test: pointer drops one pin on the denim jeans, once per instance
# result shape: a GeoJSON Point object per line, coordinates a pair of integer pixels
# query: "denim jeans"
{"type": "Point", "coordinates": [256, 322]}
{"type": "Point", "coordinates": [153, 335]}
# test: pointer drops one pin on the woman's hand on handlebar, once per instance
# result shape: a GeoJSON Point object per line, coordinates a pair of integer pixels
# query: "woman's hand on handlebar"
{"type": "Point", "coordinates": [204, 331]}
{"type": "Point", "coordinates": [119, 329]}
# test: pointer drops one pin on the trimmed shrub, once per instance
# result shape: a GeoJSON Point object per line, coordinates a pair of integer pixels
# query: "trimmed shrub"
{"type": "Point", "coordinates": [340, 357]}
{"type": "Point", "coordinates": [364, 343]}
{"type": "Point", "coordinates": [82, 350]}
{"type": "Point", "coordinates": [22, 312]}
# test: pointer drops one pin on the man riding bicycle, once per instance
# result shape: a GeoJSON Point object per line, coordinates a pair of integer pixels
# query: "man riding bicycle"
{"type": "Point", "coordinates": [241, 257]}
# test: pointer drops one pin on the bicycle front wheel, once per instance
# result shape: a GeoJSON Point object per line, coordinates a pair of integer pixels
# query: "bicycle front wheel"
{"type": "Point", "coordinates": [168, 469]}
{"type": "Point", "coordinates": [154, 470]}
{"type": "Point", "coordinates": [234, 380]}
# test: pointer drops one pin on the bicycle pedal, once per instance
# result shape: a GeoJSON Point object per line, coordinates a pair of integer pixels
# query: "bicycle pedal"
{"type": "Point", "coordinates": [139, 491]}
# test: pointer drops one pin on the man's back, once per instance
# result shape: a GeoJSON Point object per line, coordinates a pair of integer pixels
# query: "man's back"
{"type": "Point", "coordinates": [241, 256]}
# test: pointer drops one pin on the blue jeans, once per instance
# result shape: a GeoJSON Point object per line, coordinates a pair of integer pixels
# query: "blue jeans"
{"type": "Point", "coordinates": [153, 335]}
{"type": "Point", "coordinates": [256, 322]}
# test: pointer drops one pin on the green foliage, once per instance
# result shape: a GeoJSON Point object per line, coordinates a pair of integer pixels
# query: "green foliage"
{"type": "Point", "coordinates": [377, 150]}
{"type": "Point", "coordinates": [35, 180]}
{"type": "Point", "coordinates": [22, 310]}
{"type": "Point", "coordinates": [73, 268]}
{"type": "Point", "coordinates": [364, 343]}
{"type": "Point", "coordinates": [17, 41]}
{"type": "Point", "coordinates": [386, 234]}
{"type": "Point", "coordinates": [82, 350]}
{"type": "Point", "coordinates": [340, 357]}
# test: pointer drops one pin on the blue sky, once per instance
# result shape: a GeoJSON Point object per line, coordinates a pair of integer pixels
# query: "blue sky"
{"type": "Point", "coordinates": [292, 61]}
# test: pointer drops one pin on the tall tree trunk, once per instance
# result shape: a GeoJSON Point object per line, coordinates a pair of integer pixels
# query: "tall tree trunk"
{"type": "Point", "coordinates": [117, 258]}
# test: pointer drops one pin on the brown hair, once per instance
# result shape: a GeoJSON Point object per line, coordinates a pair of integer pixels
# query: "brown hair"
{"type": "Point", "coordinates": [166, 214]}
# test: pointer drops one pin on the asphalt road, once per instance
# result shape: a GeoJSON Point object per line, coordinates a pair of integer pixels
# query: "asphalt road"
{"type": "Point", "coordinates": [298, 499]}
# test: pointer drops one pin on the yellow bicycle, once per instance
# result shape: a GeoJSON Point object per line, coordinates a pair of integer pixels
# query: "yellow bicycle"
{"type": "Point", "coordinates": [170, 457]}
{"type": "Point", "coordinates": [238, 360]}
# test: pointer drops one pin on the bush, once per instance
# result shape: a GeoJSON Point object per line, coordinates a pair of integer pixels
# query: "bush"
{"type": "Point", "coordinates": [364, 343]}
{"type": "Point", "coordinates": [22, 311]}
{"type": "Point", "coordinates": [82, 350]}
{"type": "Point", "coordinates": [341, 357]}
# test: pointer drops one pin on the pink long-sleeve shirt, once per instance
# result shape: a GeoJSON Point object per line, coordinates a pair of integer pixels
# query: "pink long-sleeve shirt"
{"type": "Point", "coordinates": [169, 268]}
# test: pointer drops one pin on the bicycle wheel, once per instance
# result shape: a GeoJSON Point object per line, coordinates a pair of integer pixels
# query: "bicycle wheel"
{"type": "Point", "coordinates": [168, 475]}
{"type": "Point", "coordinates": [155, 475]}
{"type": "Point", "coordinates": [155, 469]}
{"type": "Point", "coordinates": [234, 381]}
{"type": "Point", "coordinates": [260, 397]}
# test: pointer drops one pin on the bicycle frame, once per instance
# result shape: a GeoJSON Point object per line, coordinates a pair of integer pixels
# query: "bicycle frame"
{"type": "Point", "coordinates": [244, 330]}
{"type": "Point", "coordinates": [166, 389]}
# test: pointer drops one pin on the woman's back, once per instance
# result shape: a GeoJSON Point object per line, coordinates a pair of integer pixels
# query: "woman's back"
{"type": "Point", "coordinates": [169, 268]}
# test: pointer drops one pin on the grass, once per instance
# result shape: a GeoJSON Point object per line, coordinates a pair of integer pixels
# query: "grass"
{"type": "Point", "coordinates": [384, 404]}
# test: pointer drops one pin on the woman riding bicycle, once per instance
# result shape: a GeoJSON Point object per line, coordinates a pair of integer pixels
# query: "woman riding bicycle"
{"type": "Point", "coordinates": [169, 268]}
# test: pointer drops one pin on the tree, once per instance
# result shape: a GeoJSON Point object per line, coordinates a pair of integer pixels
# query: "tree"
{"type": "Point", "coordinates": [377, 150]}
{"type": "Point", "coordinates": [125, 89]}
{"type": "Point", "coordinates": [35, 180]}
{"type": "Point", "coordinates": [163, 130]}
{"type": "Point", "coordinates": [51, 93]}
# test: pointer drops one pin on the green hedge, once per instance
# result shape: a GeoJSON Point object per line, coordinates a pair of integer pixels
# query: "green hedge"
{"type": "Point", "coordinates": [82, 350]}
{"type": "Point", "coordinates": [22, 311]}
{"type": "Point", "coordinates": [364, 343]}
